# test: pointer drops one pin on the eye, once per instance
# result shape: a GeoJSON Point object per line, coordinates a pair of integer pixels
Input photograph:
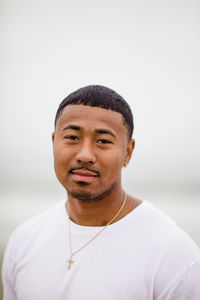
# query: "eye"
{"type": "Point", "coordinates": [71, 137]}
{"type": "Point", "coordinates": [103, 141]}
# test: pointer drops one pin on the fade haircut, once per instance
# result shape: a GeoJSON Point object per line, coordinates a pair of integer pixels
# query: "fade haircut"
{"type": "Point", "coordinates": [103, 97]}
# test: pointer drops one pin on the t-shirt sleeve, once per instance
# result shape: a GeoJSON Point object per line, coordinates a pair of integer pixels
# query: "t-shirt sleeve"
{"type": "Point", "coordinates": [8, 288]}
{"type": "Point", "coordinates": [186, 287]}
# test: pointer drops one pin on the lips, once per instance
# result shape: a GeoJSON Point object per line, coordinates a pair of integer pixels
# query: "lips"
{"type": "Point", "coordinates": [84, 175]}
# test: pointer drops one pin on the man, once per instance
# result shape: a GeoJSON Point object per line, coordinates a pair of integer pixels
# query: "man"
{"type": "Point", "coordinates": [101, 243]}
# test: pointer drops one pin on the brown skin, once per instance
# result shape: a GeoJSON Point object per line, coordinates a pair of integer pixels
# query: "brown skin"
{"type": "Point", "coordinates": [90, 147]}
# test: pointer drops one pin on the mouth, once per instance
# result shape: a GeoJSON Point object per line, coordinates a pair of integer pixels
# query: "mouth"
{"type": "Point", "coordinates": [84, 175]}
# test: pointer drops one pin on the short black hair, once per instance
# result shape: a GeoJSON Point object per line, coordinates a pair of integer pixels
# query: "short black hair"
{"type": "Point", "coordinates": [103, 97]}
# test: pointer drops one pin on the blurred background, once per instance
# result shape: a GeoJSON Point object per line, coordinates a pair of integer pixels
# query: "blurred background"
{"type": "Point", "coordinates": [148, 51]}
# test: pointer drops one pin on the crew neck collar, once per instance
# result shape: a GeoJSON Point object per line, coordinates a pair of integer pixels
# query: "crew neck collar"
{"type": "Point", "coordinates": [130, 217]}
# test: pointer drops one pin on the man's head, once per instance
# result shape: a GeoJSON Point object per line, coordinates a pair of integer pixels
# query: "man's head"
{"type": "Point", "coordinates": [100, 96]}
{"type": "Point", "coordinates": [92, 142]}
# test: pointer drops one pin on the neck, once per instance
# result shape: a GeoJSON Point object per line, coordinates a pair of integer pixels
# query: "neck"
{"type": "Point", "coordinates": [96, 213]}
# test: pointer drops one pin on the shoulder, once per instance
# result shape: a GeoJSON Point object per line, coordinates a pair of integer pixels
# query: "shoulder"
{"type": "Point", "coordinates": [41, 224]}
{"type": "Point", "coordinates": [160, 239]}
{"type": "Point", "coordinates": [175, 256]}
{"type": "Point", "coordinates": [185, 285]}
{"type": "Point", "coordinates": [30, 236]}
{"type": "Point", "coordinates": [165, 229]}
{"type": "Point", "coordinates": [171, 254]}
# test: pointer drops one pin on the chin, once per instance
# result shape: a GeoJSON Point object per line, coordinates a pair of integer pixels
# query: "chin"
{"type": "Point", "coordinates": [85, 194]}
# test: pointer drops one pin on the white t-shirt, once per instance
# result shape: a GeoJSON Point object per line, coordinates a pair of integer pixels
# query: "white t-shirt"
{"type": "Point", "coordinates": [143, 256]}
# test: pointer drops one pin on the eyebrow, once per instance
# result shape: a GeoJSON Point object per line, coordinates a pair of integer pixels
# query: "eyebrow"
{"type": "Point", "coordinates": [100, 130]}
{"type": "Point", "coordinates": [74, 127]}
{"type": "Point", "coordinates": [105, 131]}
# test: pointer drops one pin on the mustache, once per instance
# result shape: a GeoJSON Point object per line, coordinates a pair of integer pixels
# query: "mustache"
{"type": "Point", "coordinates": [85, 169]}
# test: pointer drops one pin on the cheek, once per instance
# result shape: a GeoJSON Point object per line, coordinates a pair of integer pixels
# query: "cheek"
{"type": "Point", "coordinates": [114, 162]}
{"type": "Point", "coordinates": [61, 164]}
{"type": "Point", "coordinates": [61, 157]}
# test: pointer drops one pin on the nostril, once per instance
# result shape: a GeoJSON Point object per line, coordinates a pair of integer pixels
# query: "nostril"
{"type": "Point", "coordinates": [85, 156]}
{"type": "Point", "coordinates": [91, 162]}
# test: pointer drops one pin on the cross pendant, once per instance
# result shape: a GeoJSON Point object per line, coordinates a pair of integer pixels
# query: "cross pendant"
{"type": "Point", "coordinates": [69, 262]}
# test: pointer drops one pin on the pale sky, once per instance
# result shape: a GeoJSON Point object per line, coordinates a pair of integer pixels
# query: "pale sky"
{"type": "Point", "coordinates": [148, 51]}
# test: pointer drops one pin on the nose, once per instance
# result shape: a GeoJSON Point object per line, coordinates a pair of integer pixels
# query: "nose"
{"type": "Point", "coordinates": [86, 154]}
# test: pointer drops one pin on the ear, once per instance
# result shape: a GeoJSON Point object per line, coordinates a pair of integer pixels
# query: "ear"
{"type": "Point", "coordinates": [129, 151]}
{"type": "Point", "coordinates": [53, 137]}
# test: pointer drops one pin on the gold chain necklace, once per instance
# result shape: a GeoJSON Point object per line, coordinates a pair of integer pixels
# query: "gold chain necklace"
{"type": "Point", "coordinates": [94, 237]}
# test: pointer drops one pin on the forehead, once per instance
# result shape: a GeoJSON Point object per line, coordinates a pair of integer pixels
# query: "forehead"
{"type": "Point", "coordinates": [91, 118]}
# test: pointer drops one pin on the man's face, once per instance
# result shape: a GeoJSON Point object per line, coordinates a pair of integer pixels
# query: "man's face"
{"type": "Point", "coordinates": [90, 147]}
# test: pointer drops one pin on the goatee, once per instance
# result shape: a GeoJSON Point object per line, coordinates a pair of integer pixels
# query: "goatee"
{"type": "Point", "coordinates": [86, 195]}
